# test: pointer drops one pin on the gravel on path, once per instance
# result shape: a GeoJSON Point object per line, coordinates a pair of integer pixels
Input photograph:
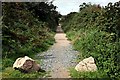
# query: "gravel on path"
{"type": "Point", "coordinates": [59, 57]}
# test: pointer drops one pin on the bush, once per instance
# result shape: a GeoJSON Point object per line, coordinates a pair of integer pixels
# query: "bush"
{"type": "Point", "coordinates": [94, 32]}
{"type": "Point", "coordinates": [100, 46]}
{"type": "Point", "coordinates": [27, 29]}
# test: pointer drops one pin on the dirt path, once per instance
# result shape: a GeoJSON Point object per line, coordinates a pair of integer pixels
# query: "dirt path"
{"type": "Point", "coordinates": [59, 57]}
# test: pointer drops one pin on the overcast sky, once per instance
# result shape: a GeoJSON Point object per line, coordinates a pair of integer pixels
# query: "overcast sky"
{"type": "Point", "coordinates": [67, 6]}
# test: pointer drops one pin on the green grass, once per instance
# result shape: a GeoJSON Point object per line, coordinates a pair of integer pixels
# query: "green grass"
{"type": "Point", "coordinates": [11, 73]}
{"type": "Point", "coordinates": [96, 74]}
{"type": "Point", "coordinates": [7, 63]}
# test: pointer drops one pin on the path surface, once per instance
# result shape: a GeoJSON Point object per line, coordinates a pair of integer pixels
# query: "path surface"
{"type": "Point", "coordinates": [59, 57]}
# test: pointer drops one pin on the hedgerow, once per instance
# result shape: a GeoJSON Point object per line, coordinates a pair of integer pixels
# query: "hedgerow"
{"type": "Point", "coordinates": [95, 31]}
{"type": "Point", "coordinates": [26, 30]}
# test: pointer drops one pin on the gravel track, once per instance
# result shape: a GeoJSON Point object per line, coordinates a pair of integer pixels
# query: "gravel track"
{"type": "Point", "coordinates": [59, 57]}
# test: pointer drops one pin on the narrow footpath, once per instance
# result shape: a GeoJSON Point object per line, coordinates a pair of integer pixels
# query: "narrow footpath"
{"type": "Point", "coordinates": [60, 57]}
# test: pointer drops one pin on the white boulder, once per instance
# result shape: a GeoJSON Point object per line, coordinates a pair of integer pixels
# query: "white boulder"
{"type": "Point", "coordinates": [26, 64]}
{"type": "Point", "coordinates": [87, 64]}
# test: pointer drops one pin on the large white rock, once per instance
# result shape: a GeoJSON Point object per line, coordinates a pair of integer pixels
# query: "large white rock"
{"type": "Point", "coordinates": [26, 64]}
{"type": "Point", "coordinates": [87, 64]}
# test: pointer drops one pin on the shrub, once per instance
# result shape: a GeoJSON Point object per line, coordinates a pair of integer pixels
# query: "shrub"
{"type": "Point", "coordinates": [27, 29]}
{"type": "Point", "coordinates": [94, 32]}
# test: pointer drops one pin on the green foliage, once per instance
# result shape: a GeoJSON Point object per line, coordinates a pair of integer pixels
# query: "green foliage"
{"type": "Point", "coordinates": [27, 29]}
{"type": "Point", "coordinates": [94, 31]}
{"type": "Point", "coordinates": [100, 46]}
{"type": "Point", "coordinates": [23, 32]}
{"type": "Point", "coordinates": [0, 67]}
{"type": "Point", "coordinates": [95, 75]}
{"type": "Point", "coordinates": [6, 63]}
{"type": "Point", "coordinates": [11, 73]}
{"type": "Point", "coordinates": [45, 12]}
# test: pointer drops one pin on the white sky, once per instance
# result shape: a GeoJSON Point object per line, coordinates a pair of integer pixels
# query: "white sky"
{"type": "Point", "coordinates": [67, 6]}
